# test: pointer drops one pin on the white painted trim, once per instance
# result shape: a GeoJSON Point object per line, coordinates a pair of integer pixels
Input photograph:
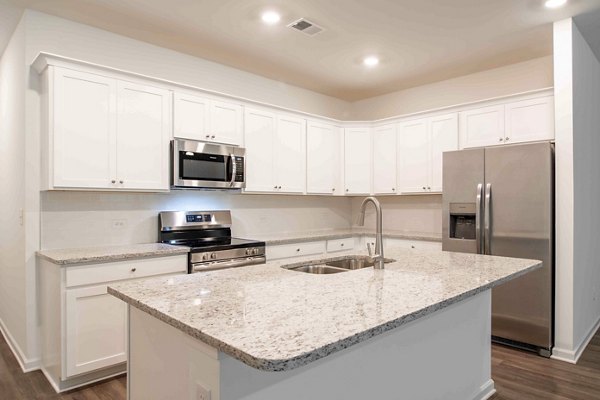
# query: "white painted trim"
{"type": "Point", "coordinates": [26, 364]}
{"type": "Point", "coordinates": [487, 391]}
{"type": "Point", "coordinates": [60, 387]}
{"type": "Point", "coordinates": [572, 356]}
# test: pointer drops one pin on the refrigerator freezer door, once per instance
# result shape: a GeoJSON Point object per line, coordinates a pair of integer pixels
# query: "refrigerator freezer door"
{"type": "Point", "coordinates": [463, 171]}
{"type": "Point", "coordinates": [521, 217]}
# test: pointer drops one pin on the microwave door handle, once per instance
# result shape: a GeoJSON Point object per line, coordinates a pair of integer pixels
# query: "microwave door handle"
{"type": "Point", "coordinates": [233, 170]}
{"type": "Point", "coordinates": [478, 216]}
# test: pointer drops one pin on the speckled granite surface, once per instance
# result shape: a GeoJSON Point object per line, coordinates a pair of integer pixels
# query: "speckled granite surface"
{"type": "Point", "coordinates": [274, 319]}
{"type": "Point", "coordinates": [284, 238]}
{"type": "Point", "coordinates": [110, 253]}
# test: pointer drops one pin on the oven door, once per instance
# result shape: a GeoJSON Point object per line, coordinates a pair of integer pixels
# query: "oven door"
{"type": "Point", "coordinates": [207, 165]}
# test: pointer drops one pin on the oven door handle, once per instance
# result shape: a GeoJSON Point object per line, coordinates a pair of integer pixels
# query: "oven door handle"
{"type": "Point", "coordinates": [240, 262]}
{"type": "Point", "coordinates": [233, 169]}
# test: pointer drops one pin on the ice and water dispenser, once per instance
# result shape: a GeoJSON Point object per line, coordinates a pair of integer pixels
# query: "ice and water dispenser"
{"type": "Point", "coordinates": [462, 220]}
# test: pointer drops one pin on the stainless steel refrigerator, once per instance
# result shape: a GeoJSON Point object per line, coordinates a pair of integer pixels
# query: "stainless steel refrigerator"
{"type": "Point", "coordinates": [500, 201]}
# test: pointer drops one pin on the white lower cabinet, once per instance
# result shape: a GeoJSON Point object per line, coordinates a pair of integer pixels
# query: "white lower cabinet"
{"type": "Point", "coordinates": [295, 250]}
{"type": "Point", "coordinates": [83, 328]}
{"type": "Point", "coordinates": [96, 330]}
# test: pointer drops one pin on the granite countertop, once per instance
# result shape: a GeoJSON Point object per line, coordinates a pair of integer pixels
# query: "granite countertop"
{"type": "Point", "coordinates": [110, 253]}
{"type": "Point", "coordinates": [284, 238]}
{"type": "Point", "coordinates": [274, 319]}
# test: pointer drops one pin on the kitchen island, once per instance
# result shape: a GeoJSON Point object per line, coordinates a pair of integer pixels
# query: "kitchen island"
{"type": "Point", "coordinates": [419, 329]}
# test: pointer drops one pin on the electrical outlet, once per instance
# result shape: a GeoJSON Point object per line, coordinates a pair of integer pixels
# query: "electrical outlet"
{"type": "Point", "coordinates": [202, 393]}
{"type": "Point", "coordinates": [118, 223]}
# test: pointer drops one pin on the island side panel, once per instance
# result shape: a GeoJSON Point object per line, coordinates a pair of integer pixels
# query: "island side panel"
{"type": "Point", "coordinates": [445, 355]}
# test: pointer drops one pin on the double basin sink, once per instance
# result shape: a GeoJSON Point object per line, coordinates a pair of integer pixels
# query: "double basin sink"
{"type": "Point", "coordinates": [334, 265]}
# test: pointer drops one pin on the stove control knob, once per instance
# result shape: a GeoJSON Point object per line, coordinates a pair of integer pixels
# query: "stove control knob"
{"type": "Point", "coordinates": [248, 252]}
{"type": "Point", "coordinates": [205, 257]}
{"type": "Point", "coordinates": [255, 251]}
{"type": "Point", "coordinates": [213, 256]}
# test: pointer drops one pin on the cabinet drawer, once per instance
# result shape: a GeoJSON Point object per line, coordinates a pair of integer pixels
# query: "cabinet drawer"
{"type": "Point", "coordinates": [340, 244]}
{"type": "Point", "coordinates": [295, 250]}
{"type": "Point", "coordinates": [129, 269]}
{"type": "Point", "coordinates": [413, 244]}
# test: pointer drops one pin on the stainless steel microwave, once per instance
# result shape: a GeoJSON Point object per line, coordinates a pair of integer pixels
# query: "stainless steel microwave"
{"type": "Point", "coordinates": [207, 165]}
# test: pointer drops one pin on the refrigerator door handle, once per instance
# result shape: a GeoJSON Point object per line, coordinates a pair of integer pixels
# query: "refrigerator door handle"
{"type": "Point", "coordinates": [487, 237]}
{"type": "Point", "coordinates": [478, 204]}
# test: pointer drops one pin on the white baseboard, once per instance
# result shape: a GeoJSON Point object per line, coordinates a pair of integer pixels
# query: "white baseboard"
{"type": "Point", "coordinates": [487, 391]}
{"type": "Point", "coordinates": [26, 364]}
{"type": "Point", "coordinates": [83, 380]}
{"type": "Point", "coordinates": [572, 356]}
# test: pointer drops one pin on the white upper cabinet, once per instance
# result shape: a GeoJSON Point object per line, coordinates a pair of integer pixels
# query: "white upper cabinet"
{"type": "Point", "coordinates": [323, 148]}
{"type": "Point", "coordinates": [83, 130]}
{"type": "Point", "coordinates": [259, 132]}
{"type": "Point", "coordinates": [190, 117]}
{"type": "Point", "coordinates": [290, 155]}
{"type": "Point", "coordinates": [275, 152]}
{"type": "Point", "coordinates": [443, 131]}
{"type": "Point", "coordinates": [105, 133]}
{"type": "Point", "coordinates": [521, 121]}
{"type": "Point", "coordinates": [384, 159]}
{"type": "Point", "coordinates": [482, 127]}
{"type": "Point", "coordinates": [143, 121]}
{"type": "Point", "coordinates": [421, 144]}
{"type": "Point", "coordinates": [357, 161]}
{"type": "Point", "coordinates": [413, 156]}
{"type": "Point", "coordinates": [200, 118]}
{"type": "Point", "coordinates": [529, 120]}
{"type": "Point", "coordinates": [226, 122]}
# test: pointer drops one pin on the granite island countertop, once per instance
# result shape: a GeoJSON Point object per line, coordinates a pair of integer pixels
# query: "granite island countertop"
{"type": "Point", "coordinates": [110, 253]}
{"type": "Point", "coordinates": [275, 319]}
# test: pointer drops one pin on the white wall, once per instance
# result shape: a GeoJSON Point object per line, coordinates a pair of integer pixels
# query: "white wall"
{"type": "Point", "coordinates": [73, 219]}
{"type": "Point", "coordinates": [13, 311]}
{"type": "Point", "coordinates": [577, 105]}
{"type": "Point", "coordinates": [586, 168]}
{"type": "Point", "coordinates": [516, 78]}
{"type": "Point", "coordinates": [407, 214]}
{"type": "Point", "coordinates": [66, 38]}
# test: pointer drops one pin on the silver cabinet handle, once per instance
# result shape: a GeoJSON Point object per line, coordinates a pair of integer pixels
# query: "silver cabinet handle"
{"type": "Point", "coordinates": [428, 187]}
{"type": "Point", "coordinates": [500, 139]}
{"type": "Point", "coordinates": [121, 182]}
{"type": "Point", "coordinates": [423, 187]}
{"type": "Point", "coordinates": [133, 269]}
{"type": "Point", "coordinates": [507, 139]}
{"type": "Point", "coordinates": [478, 205]}
{"type": "Point", "coordinates": [113, 181]}
{"type": "Point", "coordinates": [212, 137]}
{"type": "Point", "coordinates": [393, 189]}
{"type": "Point", "coordinates": [487, 224]}
{"type": "Point", "coordinates": [278, 187]}
{"type": "Point", "coordinates": [297, 249]}
{"type": "Point", "coordinates": [208, 136]}
{"type": "Point", "coordinates": [333, 190]}
{"type": "Point", "coordinates": [233, 169]}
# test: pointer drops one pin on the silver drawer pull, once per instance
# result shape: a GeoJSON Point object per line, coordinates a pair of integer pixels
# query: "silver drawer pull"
{"type": "Point", "coordinates": [133, 269]}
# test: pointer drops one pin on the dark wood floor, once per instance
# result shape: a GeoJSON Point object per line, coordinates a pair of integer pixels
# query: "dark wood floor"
{"type": "Point", "coordinates": [518, 376]}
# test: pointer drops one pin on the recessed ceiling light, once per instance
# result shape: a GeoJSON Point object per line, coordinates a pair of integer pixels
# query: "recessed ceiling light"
{"type": "Point", "coordinates": [555, 3]}
{"type": "Point", "coordinates": [270, 17]}
{"type": "Point", "coordinates": [371, 61]}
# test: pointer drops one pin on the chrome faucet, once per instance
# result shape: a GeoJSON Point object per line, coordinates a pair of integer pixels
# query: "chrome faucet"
{"type": "Point", "coordinates": [378, 256]}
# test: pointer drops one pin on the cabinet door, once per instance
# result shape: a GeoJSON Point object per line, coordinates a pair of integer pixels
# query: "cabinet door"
{"type": "Point", "coordinates": [259, 136]}
{"type": "Point", "coordinates": [84, 130]}
{"type": "Point", "coordinates": [530, 120]}
{"type": "Point", "coordinates": [443, 132]}
{"type": "Point", "coordinates": [226, 123]}
{"type": "Point", "coordinates": [290, 155]}
{"type": "Point", "coordinates": [190, 115]}
{"type": "Point", "coordinates": [413, 156]}
{"type": "Point", "coordinates": [384, 159]}
{"type": "Point", "coordinates": [482, 127]}
{"type": "Point", "coordinates": [322, 158]}
{"type": "Point", "coordinates": [96, 330]}
{"type": "Point", "coordinates": [357, 161]}
{"type": "Point", "coordinates": [143, 132]}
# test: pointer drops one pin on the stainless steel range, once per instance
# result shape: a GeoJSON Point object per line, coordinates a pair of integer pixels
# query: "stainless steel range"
{"type": "Point", "coordinates": [208, 234]}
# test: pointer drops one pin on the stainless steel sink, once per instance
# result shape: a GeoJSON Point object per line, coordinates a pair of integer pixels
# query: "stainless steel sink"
{"type": "Point", "coordinates": [334, 265]}
{"type": "Point", "coordinates": [317, 269]}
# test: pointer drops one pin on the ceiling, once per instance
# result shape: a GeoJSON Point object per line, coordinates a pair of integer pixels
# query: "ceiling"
{"type": "Point", "coordinates": [418, 41]}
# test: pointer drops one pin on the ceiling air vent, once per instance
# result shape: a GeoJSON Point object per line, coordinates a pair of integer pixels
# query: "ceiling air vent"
{"type": "Point", "coordinates": [306, 27]}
